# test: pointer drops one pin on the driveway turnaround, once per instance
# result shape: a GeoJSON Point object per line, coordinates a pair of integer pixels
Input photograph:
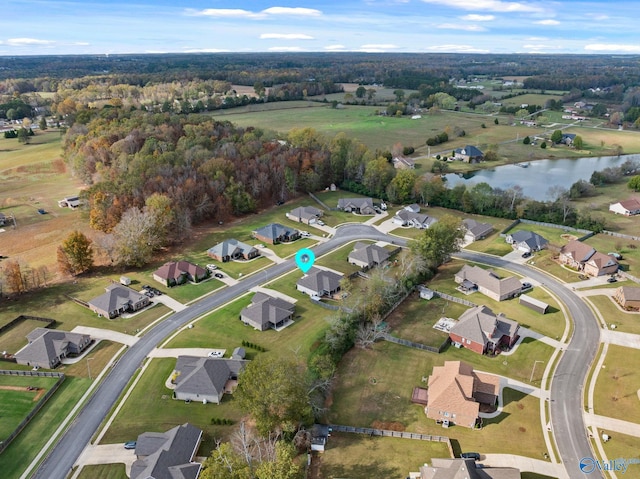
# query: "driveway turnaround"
{"type": "Point", "coordinates": [107, 334]}
{"type": "Point", "coordinates": [107, 454]}
{"type": "Point", "coordinates": [618, 338]}
{"type": "Point", "coordinates": [169, 302]}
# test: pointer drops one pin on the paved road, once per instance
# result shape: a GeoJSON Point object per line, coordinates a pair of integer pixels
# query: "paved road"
{"type": "Point", "coordinates": [65, 453]}
{"type": "Point", "coordinates": [566, 389]}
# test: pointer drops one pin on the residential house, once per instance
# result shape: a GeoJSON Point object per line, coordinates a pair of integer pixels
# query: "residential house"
{"type": "Point", "coordinates": [319, 437]}
{"type": "Point", "coordinates": [584, 258]}
{"type": "Point", "coordinates": [526, 241]}
{"type": "Point", "coordinates": [463, 468]}
{"type": "Point", "coordinates": [72, 202]}
{"type": "Point", "coordinates": [482, 331]}
{"type": "Point", "coordinates": [628, 297]}
{"type": "Point", "coordinates": [3, 219]}
{"type": "Point", "coordinates": [628, 207]}
{"type": "Point", "coordinates": [413, 208]}
{"type": "Point", "coordinates": [455, 392]}
{"type": "Point", "coordinates": [486, 281]}
{"type": "Point", "coordinates": [413, 220]}
{"type": "Point", "coordinates": [47, 347]}
{"type": "Point", "coordinates": [275, 233]}
{"type": "Point", "coordinates": [469, 154]}
{"type": "Point", "coordinates": [118, 300]}
{"type": "Point", "coordinates": [368, 255]}
{"type": "Point", "coordinates": [179, 272]}
{"type": "Point", "coordinates": [267, 312]}
{"type": "Point", "coordinates": [232, 249]}
{"type": "Point", "coordinates": [363, 206]}
{"type": "Point", "coordinates": [304, 214]}
{"type": "Point", "coordinates": [206, 379]}
{"type": "Point", "coordinates": [319, 282]}
{"type": "Point", "coordinates": [404, 163]}
{"type": "Point", "coordinates": [567, 138]}
{"type": "Point", "coordinates": [167, 455]}
{"type": "Point", "coordinates": [474, 230]}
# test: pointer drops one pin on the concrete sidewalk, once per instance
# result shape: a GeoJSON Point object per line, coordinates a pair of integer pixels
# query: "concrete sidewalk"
{"type": "Point", "coordinates": [513, 384]}
{"type": "Point", "coordinates": [609, 424]}
{"type": "Point", "coordinates": [527, 333]}
{"type": "Point", "coordinates": [107, 334]}
{"type": "Point", "coordinates": [525, 464]}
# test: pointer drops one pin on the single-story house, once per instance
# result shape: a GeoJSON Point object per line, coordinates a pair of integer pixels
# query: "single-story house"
{"type": "Point", "coordinates": [232, 249]}
{"type": "Point", "coordinates": [414, 220]}
{"type": "Point", "coordinates": [487, 282]}
{"type": "Point", "coordinates": [319, 282]}
{"type": "Point", "coordinates": [403, 163]}
{"type": "Point", "coordinates": [304, 214]}
{"type": "Point", "coordinates": [628, 207]}
{"type": "Point", "coordinates": [319, 436]}
{"type": "Point", "coordinates": [167, 455]}
{"type": "Point", "coordinates": [178, 272]}
{"type": "Point", "coordinates": [118, 300]}
{"type": "Point", "coordinates": [469, 154]}
{"type": "Point", "coordinates": [267, 312]}
{"type": "Point", "coordinates": [481, 330]}
{"type": "Point", "coordinates": [363, 206]}
{"type": "Point", "coordinates": [206, 379]}
{"type": "Point", "coordinates": [72, 202]}
{"type": "Point", "coordinates": [3, 219]}
{"type": "Point", "coordinates": [47, 347]}
{"type": "Point", "coordinates": [584, 258]}
{"type": "Point", "coordinates": [455, 392]}
{"type": "Point", "coordinates": [368, 255]}
{"type": "Point", "coordinates": [275, 233]}
{"type": "Point", "coordinates": [474, 230]}
{"type": "Point", "coordinates": [413, 208]}
{"type": "Point", "coordinates": [526, 241]}
{"type": "Point", "coordinates": [628, 297]}
{"type": "Point", "coordinates": [533, 303]}
{"type": "Point", "coordinates": [442, 468]}
{"type": "Point", "coordinates": [567, 138]}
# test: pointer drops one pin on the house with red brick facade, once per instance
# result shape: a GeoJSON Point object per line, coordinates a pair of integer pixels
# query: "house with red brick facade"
{"type": "Point", "coordinates": [482, 331]}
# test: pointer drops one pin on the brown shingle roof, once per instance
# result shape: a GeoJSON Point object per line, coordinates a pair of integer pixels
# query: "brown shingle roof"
{"type": "Point", "coordinates": [578, 251]}
{"type": "Point", "coordinates": [631, 204]}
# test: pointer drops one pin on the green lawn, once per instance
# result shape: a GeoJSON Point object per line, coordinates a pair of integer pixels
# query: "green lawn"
{"type": "Point", "coordinates": [41, 148]}
{"type": "Point", "coordinates": [622, 446]}
{"type": "Point", "coordinates": [625, 322]}
{"type": "Point", "coordinates": [361, 457]}
{"type": "Point", "coordinates": [14, 404]}
{"type": "Point", "coordinates": [15, 338]}
{"type": "Point", "coordinates": [554, 236]}
{"type": "Point", "coordinates": [103, 471]}
{"type": "Point", "coordinates": [551, 324]}
{"type": "Point", "coordinates": [28, 444]}
{"type": "Point", "coordinates": [616, 392]}
{"type": "Point", "coordinates": [338, 260]}
{"type": "Point", "coordinates": [358, 400]}
{"type": "Point", "coordinates": [544, 260]}
{"type": "Point", "coordinates": [629, 249]}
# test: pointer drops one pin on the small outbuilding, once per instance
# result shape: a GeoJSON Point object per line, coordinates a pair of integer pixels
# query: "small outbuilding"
{"type": "Point", "coordinates": [533, 303]}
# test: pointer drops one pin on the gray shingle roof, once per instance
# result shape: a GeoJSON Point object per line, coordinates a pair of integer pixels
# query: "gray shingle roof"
{"type": "Point", "coordinates": [477, 229]}
{"type": "Point", "coordinates": [116, 297]}
{"type": "Point", "coordinates": [533, 240]}
{"type": "Point", "coordinates": [266, 309]}
{"type": "Point", "coordinates": [305, 212]}
{"type": "Point", "coordinates": [465, 469]}
{"type": "Point", "coordinates": [320, 280]}
{"type": "Point", "coordinates": [206, 375]}
{"type": "Point", "coordinates": [230, 247]}
{"type": "Point", "coordinates": [275, 231]}
{"type": "Point", "coordinates": [357, 203]}
{"type": "Point", "coordinates": [47, 345]}
{"type": "Point", "coordinates": [481, 325]}
{"type": "Point", "coordinates": [369, 253]}
{"type": "Point", "coordinates": [486, 278]}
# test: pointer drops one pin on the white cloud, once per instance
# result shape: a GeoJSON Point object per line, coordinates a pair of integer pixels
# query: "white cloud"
{"type": "Point", "coordinates": [286, 36]}
{"type": "Point", "coordinates": [378, 46]}
{"type": "Point", "coordinates": [285, 49]}
{"type": "Point", "coordinates": [220, 12]}
{"type": "Point", "coordinates": [19, 42]}
{"type": "Point", "coordinates": [334, 48]}
{"type": "Point", "coordinates": [547, 22]}
{"type": "Point", "coordinates": [455, 49]}
{"type": "Point", "coordinates": [205, 50]}
{"type": "Point", "coordinates": [541, 47]}
{"type": "Point", "coordinates": [458, 26]}
{"type": "Point", "coordinates": [478, 18]}
{"type": "Point", "coordinates": [612, 47]}
{"type": "Point", "coordinates": [489, 5]}
{"type": "Point", "coordinates": [298, 11]}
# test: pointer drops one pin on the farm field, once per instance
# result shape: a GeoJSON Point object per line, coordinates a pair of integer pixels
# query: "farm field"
{"type": "Point", "coordinates": [616, 392]}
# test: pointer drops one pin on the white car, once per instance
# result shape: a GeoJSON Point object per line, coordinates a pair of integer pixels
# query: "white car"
{"type": "Point", "coordinates": [212, 267]}
{"type": "Point", "coordinates": [215, 354]}
{"type": "Point", "coordinates": [320, 222]}
{"type": "Point", "coordinates": [305, 234]}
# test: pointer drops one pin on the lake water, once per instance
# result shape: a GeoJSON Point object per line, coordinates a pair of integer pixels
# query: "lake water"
{"type": "Point", "coordinates": [539, 176]}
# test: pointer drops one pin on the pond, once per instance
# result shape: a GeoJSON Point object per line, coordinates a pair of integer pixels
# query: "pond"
{"type": "Point", "coordinates": [539, 176]}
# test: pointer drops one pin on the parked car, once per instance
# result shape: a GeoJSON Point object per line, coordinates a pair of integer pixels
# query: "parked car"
{"type": "Point", "coordinates": [583, 277]}
{"type": "Point", "coordinates": [212, 267]}
{"type": "Point", "coordinates": [526, 254]}
{"type": "Point", "coordinates": [305, 234]}
{"type": "Point", "coordinates": [617, 256]}
{"type": "Point", "coordinates": [218, 275]}
{"type": "Point", "coordinates": [130, 445]}
{"type": "Point", "coordinates": [526, 286]}
{"type": "Point", "coordinates": [41, 211]}
{"type": "Point", "coordinates": [148, 294]}
{"type": "Point", "coordinates": [611, 279]}
{"type": "Point", "coordinates": [470, 455]}
{"type": "Point", "coordinates": [215, 354]}
{"type": "Point", "coordinates": [320, 222]}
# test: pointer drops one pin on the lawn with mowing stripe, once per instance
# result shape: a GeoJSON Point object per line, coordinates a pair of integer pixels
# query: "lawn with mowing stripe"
{"type": "Point", "coordinates": [625, 322]}
{"type": "Point", "coordinates": [358, 456]}
{"type": "Point", "coordinates": [15, 404]}
{"type": "Point", "coordinates": [616, 392]}
{"type": "Point", "coordinates": [376, 385]}
{"type": "Point", "coordinates": [103, 471]}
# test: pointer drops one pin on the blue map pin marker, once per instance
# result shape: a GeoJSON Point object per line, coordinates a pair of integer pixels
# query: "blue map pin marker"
{"type": "Point", "coordinates": [305, 259]}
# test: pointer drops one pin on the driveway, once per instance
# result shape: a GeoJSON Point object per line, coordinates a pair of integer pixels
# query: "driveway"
{"type": "Point", "coordinates": [175, 352]}
{"type": "Point", "coordinates": [588, 283]}
{"type": "Point", "coordinates": [525, 464]}
{"type": "Point", "coordinates": [610, 424]}
{"type": "Point", "coordinates": [106, 454]}
{"type": "Point", "coordinates": [107, 334]}
{"type": "Point", "coordinates": [169, 302]}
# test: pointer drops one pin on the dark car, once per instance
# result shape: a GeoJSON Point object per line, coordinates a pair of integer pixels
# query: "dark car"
{"type": "Point", "coordinates": [218, 275]}
{"type": "Point", "coordinates": [611, 280]}
{"type": "Point", "coordinates": [130, 445]}
{"type": "Point", "coordinates": [470, 455]}
{"type": "Point", "coordinates": [41, 211]}
{"type": "Point", "coordinates": [526, 254]}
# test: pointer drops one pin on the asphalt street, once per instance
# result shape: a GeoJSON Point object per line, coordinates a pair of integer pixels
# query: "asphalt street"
{"type": "Point", "coordinates": [566, 387]}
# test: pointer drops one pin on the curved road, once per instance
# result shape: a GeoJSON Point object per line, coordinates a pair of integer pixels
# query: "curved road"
{"type": "Point", "coordinates": [566, 393]}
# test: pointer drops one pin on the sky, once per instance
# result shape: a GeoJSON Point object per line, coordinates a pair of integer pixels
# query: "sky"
{"type": "Point", "coordinates": [52, 27]}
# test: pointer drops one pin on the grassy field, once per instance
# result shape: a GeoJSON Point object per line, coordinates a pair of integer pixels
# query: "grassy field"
{"type": "Point", "coordinates": [338, 260]}
{"type": "Point", "coordinates": [361, 457]}
{"type": "Point", "coordinates": [625, 322]}
{"type": "Point", "coordinates": [530, 99]}
{"type": "Point", "coordinates": [103, 471]}
{"type": "Point", "coordinates": [616, 392]}
{"type": "Point", "coordinates": [24, 448]}
{"type": "Point", "coordinates": [358, 400]}
{"type": "Point", "coordinates": [551, 324]}
{"type": "Point", "coordinates": [16, 404]}
{"type": "Point", "coordinates": [622, 446]}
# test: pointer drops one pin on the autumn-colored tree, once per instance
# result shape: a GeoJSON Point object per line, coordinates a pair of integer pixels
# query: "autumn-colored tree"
{"type": "Point", "coordinates": [75, 256]}
{"type": "Point", "coordinates": [14, 276]}
{"type": "Point", "coordinates": [437, 243]}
